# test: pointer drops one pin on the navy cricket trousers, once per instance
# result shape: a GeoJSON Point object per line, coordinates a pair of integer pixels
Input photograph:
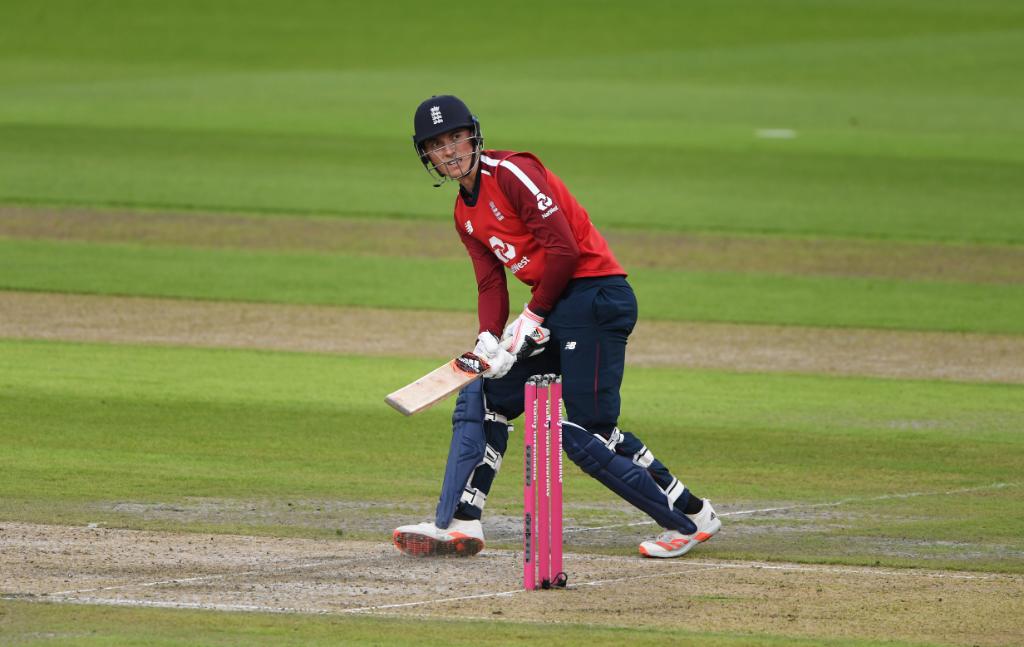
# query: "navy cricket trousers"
{"type": "Point", "coordinates": [589, 326]}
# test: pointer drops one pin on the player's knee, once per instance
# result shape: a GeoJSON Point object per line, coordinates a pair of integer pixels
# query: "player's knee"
{"type": "Point", "coordinates": [600, 417]}
{"type": "Point", "coordinates": [584, 449]}
{"type": "Point", "coordinates": [503, 399]}
{"type": "Point", "coordinates": [468, 405]}
{"type": "Point", "coordinates": [497, 429]}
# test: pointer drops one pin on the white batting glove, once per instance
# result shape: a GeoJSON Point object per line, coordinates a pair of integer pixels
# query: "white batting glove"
{"type": "Point", "coordinates": [524, 327]}
{"type": "Point", "coordinates": [499, 360]}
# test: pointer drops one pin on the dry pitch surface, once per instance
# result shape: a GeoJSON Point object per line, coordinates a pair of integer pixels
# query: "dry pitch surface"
{"type": "Point", "coordinates": [367, 331]}
{"type": "Point", "coordinates": [241, 573]}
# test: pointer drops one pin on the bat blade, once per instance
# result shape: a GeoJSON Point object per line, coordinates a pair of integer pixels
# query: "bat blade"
{"type": "Point", "coordinates": [437, 384]}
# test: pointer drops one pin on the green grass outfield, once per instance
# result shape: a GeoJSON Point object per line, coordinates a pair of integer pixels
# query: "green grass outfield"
{"type": "Point", "coordinates": [907, 113]}
{"type": "Point", "coordinates": [85, 626]}
{"type": "Point", "coordinates": [883, 121]}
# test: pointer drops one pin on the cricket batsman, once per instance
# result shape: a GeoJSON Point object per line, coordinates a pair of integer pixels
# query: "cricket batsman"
{"type": "Point", "coordinates": [514, 214]}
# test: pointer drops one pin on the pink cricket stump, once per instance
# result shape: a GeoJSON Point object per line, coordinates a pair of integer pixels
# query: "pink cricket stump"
{"type": "Point", "coordinates": [529, 495]}
{"type": "Point", "coordinates": [543, 484]}
{"type": "Point", "coordinates": [542, 491]}
{"type": "Point", "coordinates": [555, 458]}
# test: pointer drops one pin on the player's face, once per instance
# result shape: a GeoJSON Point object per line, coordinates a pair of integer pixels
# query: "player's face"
{"type": "Point", "coordinates": [451, 153]}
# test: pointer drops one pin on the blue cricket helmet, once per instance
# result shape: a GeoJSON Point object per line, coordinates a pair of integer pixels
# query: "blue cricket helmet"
{"type": "Point", "coordinates": [440, 114]}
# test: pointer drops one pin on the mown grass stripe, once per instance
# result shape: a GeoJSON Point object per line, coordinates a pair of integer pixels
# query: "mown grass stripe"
{"type": "Point", "coordinates": [635, 249]}
{"type": "Point", "coordinates": [686, 189]}
{"type": "Point", "coordinates": [387, 332]}
{"type": "Point", "coordinates": [448, 284]}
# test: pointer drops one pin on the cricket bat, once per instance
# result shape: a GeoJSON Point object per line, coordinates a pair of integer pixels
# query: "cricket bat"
{"type": "Point", "coordinates": [451, 377]}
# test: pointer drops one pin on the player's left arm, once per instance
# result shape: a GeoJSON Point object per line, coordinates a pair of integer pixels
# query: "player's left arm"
{"type": "Point", "coordinates": [524, 182]}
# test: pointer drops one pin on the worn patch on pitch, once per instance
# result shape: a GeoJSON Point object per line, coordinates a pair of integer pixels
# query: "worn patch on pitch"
{"type": "Point", "coordinates": [370, 331]}
{"type": "Point", "coordinates": [238, 573]}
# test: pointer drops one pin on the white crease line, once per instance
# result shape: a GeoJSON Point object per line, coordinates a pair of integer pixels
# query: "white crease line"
{"type": "Point", "coordinates": [518, 591]}
{"type": "Point", "coordinates": [167, 604]}
{"type": "Point", "coordinates": [687, 569]}
{"type": "Point", "coordinates": [884, 497]}
{"type": "Point", "coordinates": [461, 617]}
{"type": "Point", "coordinates": [694, 568]}
{"type": "Point", "coordinates": [198, 578]}
{"type": "Point", "coordinates": [865, 570]}
{"type": "Point", "coordinates": [798, 506]}
{"type": "Point", "coordinates": [183, 580]}
{"type": "Point", "coordinates": [461, 598]}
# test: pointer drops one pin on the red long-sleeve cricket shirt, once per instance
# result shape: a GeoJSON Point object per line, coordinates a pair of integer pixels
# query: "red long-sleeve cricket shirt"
{"type": "Point", "coordinates": [522, 216]}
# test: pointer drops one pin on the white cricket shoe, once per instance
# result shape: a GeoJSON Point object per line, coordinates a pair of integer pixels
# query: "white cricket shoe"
{"type": "Point", "coordinates": [461, 538]}
{"type": "Point", "coordinates": [673, 543]}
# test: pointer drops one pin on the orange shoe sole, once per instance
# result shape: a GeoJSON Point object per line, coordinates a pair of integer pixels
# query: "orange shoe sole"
{"type": "Point", "coordinates": [421, 546]}
{"type": "Point", "coordinates": [699, 539]}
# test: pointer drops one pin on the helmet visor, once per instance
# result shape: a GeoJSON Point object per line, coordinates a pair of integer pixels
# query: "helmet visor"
{"type": "Point", "coordinates": [453, 155]}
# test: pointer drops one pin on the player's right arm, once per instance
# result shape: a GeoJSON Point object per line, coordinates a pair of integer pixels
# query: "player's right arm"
{"type": "Point", "coordinates": [492, 306]}
{"type": "Point", "coordinates": [492, 288]}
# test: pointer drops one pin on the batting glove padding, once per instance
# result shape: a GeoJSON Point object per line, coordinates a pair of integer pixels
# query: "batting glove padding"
{"type": "Point", "coordinates": [499, 360]}
{"type": "Point", "coordinates": [523, 328]}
